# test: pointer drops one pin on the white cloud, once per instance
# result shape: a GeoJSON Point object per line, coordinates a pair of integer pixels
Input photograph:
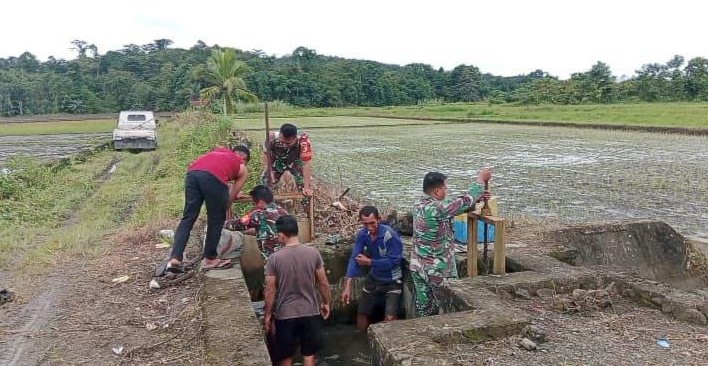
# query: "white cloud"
{"type": "Point", "coordinates": [503, 37]}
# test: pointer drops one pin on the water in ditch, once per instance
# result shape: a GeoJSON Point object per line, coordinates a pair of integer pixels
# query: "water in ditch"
{"type": "Point", "coordinates": [342, 344]}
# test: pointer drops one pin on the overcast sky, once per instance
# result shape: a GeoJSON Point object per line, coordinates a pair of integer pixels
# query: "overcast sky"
{"type": "Point", "coordinates": [502, 37]}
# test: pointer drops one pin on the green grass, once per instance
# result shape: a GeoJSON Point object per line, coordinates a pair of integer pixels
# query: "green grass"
{"type": "Point", "coordinates": [689, 115]}
{"type": "Point", "coordinates": [57, 127]}
{"type": "Point", "coordinates": [77, 213]}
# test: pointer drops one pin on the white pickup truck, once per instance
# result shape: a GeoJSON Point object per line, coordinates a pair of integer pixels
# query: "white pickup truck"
{"type": "Point", "coordinates": [136, 130]}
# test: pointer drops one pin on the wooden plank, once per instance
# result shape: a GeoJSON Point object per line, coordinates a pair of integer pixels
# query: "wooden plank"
{"type": "Point", "coordinates": [277, 197]}
{"type": "Point", "coordinates": [472, 252]}
{"type": "Point", "coordinates": [488, 219]}
{"type": "Point", "coordinates": [500, 248]}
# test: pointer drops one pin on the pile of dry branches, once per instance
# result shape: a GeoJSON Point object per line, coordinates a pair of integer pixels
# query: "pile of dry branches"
{"type": "Point", "coordinates": [335, 212]}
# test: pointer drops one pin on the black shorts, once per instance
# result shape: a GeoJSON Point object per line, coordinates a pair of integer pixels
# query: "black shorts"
{"type": "Point", "coordinates": [374, 290]}
{"type": "Point", "coordinates": [308, 330]}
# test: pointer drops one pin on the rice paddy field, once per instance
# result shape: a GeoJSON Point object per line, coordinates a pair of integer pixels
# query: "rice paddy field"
{"type": "Point", "coordinates": [48, 147]}
{"type": "Point", "coordinates": [567, 174]}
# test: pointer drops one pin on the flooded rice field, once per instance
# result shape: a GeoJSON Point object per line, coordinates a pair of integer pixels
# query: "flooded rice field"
{"type": "Point", "coordinates": [46, 147]}
{"type": "Point", "coordinates": [570, 174]}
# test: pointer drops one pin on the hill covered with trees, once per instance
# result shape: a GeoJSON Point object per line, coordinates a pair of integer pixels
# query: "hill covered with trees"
{"type": "Point", "coordinates": [156, 77]}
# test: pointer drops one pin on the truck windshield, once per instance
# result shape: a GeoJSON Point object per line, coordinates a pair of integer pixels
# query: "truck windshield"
{"type": "Point", "coordinates": [136, 118]}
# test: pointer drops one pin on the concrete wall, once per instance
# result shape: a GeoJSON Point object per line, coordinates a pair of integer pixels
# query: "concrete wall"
{"type": "Point", "coordinates": [653, 248]}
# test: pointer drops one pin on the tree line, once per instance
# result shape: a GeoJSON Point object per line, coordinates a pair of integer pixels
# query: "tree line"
{"type": "Point", "coordinates": [156, 77]}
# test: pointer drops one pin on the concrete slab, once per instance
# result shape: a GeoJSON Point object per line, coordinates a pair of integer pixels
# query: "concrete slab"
{"type": "Point", "coordinates": [426, 341]}
{"type": "Point", "coordinates": [233, 334]}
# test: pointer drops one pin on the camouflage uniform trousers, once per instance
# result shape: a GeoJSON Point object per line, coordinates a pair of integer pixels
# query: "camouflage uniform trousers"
{"type": "Point", "coordinates": [266, 250]}
{"type": "Point", "coordinates": [426, 290]}
{"type": "Point", "coordinates": [267, 247]}
{"type": "Point", "coordinates": [295, 168]}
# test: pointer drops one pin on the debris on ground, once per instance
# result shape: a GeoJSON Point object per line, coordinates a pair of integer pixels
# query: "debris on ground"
{"type": "Point", "coordinates": [117, 350]}
{"type": "Point", "coordinates": [623, 331]}
{"type": "Point", "coordinates": [152, 327]}
{"type": "Point", "coordinates": [120, 279]}
{"type": "Point", "coordinates": [527, 344]}
{"type": "Point", "coordinates": [534, 333]}
{"type": "Point", "coordinates": [583, 301]}
{"type": "Point", "coordinates": [6, 296]}
{"type": "Point", "coordinates": [663, 342]}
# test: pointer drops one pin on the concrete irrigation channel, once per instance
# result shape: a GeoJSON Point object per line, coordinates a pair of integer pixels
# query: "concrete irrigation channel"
{"type": "Point", "coordinates": [605, 294]}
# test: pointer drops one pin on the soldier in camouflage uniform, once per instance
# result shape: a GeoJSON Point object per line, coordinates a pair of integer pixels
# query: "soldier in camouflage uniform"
{"type": "Point", "coordinates": [261, 219]}
{"type": "Point", "coordinates": [433, 255]}
{"type": "Point", "coordinates": [292, 152]}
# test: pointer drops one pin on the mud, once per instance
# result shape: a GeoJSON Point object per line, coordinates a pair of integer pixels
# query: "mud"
{"type": "Point", "coordinates": [27, 347]}
{"type": "Point", "coordinates": [48, 147]}
{"type": "Point", "coordinates": [555, 173]}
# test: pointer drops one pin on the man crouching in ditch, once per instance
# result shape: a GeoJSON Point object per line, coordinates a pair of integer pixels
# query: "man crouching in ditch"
{"type": "Point", "coordinates": [385, 253]}
{"type": "Point", "coordinates": [294, 275]}
{"type": "Point", "coordinates": [433, 255]}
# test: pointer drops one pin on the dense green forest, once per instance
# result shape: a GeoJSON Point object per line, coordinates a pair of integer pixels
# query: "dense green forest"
{"type": "Point", "coordinates": [157, 77]}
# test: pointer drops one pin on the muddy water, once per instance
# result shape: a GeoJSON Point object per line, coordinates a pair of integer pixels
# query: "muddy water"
{"type": "Point", "coordinates": [47, 147]}
{"type": "Point", "coordinates": [344, 345]}
{"type": "Point", "coordinates": [570, 174]}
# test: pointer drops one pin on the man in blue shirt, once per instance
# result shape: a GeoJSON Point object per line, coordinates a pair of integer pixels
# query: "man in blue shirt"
{"type": "Point", "coordinates": [379, 247]}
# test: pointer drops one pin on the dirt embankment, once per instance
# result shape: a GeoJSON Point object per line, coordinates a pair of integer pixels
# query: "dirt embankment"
{"type": "Point", "coordinates": [69, 117]}
{"type": "Point", "coordinates": [601, 126]}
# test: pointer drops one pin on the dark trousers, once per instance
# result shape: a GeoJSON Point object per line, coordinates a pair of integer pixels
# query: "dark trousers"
{"type": "Point", "coordinates": [200, 187]}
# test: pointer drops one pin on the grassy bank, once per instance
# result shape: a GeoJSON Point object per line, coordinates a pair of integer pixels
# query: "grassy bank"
{"type": "Point", "coordinates": [688, 115]}
{"type": "Point", "coordinates": [85, 202]}
{"type": "Point", "coordinates": [57, 127]}
{"type": "Point", "coordinates": [684, 115]}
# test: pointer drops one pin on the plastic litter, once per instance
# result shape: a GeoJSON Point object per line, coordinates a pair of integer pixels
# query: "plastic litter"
{"type": "Point", "coordinates": [168, 236]}
{"type": "Point", "coordinates": [663, 342]}
{"type": "Point", "coordinates": [121, 279]}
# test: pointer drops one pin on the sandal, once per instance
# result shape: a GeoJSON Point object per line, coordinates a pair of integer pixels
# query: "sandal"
{"type": "Point", "coordinates": [220, 264]}
{"type": "Point", "coordinates": [179, 268]}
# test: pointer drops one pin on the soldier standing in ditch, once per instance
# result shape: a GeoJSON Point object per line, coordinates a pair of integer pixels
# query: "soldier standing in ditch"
{"type": "Point", "coordinates": [433, 255]}
{"type": "Point", "coordinates": [288, 151]}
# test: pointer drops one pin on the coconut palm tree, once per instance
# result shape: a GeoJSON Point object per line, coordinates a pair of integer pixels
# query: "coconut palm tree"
{"type": "Point", "coordinates": [225, 73]}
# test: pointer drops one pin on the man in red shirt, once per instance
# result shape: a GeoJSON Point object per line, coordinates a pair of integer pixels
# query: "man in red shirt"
{"type": "Point", "coordinates": [207, 181]}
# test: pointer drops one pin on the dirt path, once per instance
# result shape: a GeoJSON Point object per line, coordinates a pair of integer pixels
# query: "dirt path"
{"type": "Point", "coordinates": [25, 333]}
{"type": "Point", "coordinates": [25, 344]}
{"type": "Point", "coordinates": [102, 322]}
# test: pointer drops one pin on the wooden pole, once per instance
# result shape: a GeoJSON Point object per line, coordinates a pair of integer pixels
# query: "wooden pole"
{"type": "Point", "coordinates": [499, 242]}
{"type": "Point", "coordinates": [269, 167]}
{"type": "Point", "coordinates": [499, 248]}
{"type": "Point", "coordinates": [471, 246]}
{"type": "Point", "coordinates": [311, 215]}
